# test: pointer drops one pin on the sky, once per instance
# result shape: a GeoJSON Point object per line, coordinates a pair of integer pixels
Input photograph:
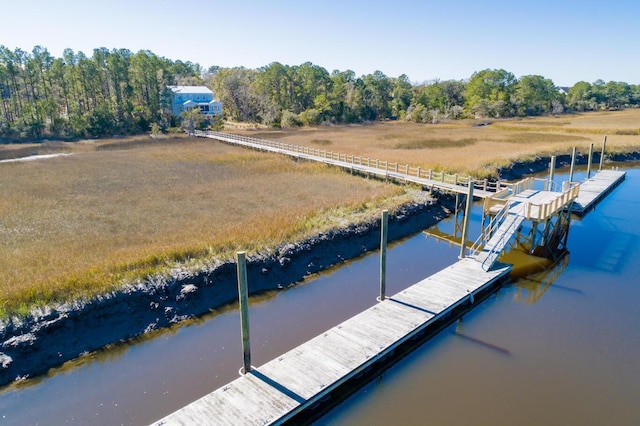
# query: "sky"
{"type": "Point", "coordinates": [566, 41]}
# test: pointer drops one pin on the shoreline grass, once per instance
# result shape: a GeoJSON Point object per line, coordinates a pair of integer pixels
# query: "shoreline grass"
{"type": "Point", "coordinates": [81, 225]}
{"type": "Point", "coordinates": [119, 210]}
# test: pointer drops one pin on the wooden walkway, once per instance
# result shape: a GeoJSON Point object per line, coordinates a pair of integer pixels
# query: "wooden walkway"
{"type": "Point", "coordinates": [284, 387]}
{"type": "Point", "coordinates": [594, 189]}
{"type": "Point", "coordinates": [383, 169]}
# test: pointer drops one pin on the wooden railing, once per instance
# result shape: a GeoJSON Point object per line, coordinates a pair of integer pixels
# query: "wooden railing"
{"type": "Point", "coordinates": [533, 211]}
{"type": "Point", "coordinates": [386, 168]}
{"type": "Point", "coordinates": [544, 211]}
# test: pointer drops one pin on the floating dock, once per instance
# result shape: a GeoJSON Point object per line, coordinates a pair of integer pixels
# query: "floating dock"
{"type": "Point", "coordinates": [284, 387]}
{"type": "Point", "coordinates": [289, 387]}
{"type": "Point", "coordinates": [595, 189]}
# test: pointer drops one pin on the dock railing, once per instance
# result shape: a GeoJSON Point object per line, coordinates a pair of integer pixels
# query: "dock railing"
{"type": "Point", "coordinates": [389, 168]}
{"type": "Point", "coordinates": [488, 231]}
{"type": "Point", "coordinates": [567, 192]}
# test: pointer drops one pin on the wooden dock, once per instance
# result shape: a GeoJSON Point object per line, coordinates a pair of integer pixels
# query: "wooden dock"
{"type": "Point", "coordinates": [380, 168]}
{"type": "Point", "coordinates": [295, 383]}
{"type": "Point", "coordinates": [594, 189]}
{"type": "Point", "coordinates": [301, 378]}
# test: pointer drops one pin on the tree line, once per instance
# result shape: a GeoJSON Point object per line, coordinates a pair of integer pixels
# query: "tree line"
{"type": "Point", "coordinates": [120, 92]}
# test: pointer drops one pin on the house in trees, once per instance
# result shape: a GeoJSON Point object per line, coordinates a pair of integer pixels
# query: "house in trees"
{"type": "Point", "coordinates": [184, 98]}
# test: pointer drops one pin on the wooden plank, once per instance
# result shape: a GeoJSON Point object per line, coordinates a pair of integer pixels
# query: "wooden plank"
{"type": "Point", "coordinates": [594, 189]}
{"type": "Point", "coordinates": [278, 389]}
{"type": "Point", "coordinates": [384, 173]}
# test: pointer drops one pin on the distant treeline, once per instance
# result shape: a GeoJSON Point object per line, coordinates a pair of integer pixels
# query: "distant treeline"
{"type": "Point", "coordinates": [119, 92]}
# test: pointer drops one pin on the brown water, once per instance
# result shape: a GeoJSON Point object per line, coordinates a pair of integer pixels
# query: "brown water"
{"type": "Point", "coordinates": [572, 357]}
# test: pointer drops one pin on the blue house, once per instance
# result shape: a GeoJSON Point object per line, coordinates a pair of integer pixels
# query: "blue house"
{"type": "Point", "coordinates": [184, 98]}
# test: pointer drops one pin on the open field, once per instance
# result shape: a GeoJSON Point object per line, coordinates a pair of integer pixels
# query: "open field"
{"type": "Point", "coordinates": [463, 146]}
{"type": "Point", "coordinates": [81, 224]}
{"type": "Point", "coordinates": [117, 210]}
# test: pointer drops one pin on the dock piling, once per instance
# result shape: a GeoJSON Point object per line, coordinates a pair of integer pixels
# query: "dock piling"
{"type": "Point", "coordinates": [467, 214]}
{"type": "Point", "coordinates": [590, 160]}
{"type": "Point", "coordinates": [604, 146]}
{"type": "Point", "coordinates": [573, 163]}
{"type": "Point", "coordinates": [552, 171]}
{"type": "Point", "coordinates": [383, 254]}
{"type": "Point", "coordinates": [243, 296]}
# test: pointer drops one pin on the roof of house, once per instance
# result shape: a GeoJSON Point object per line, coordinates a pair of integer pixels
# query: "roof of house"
{"type": "Point", "coordinates": [190, 89]}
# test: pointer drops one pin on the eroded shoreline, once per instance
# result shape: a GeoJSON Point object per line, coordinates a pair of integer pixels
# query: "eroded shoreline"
{"type": "Point", "coordinates": [49, 338]}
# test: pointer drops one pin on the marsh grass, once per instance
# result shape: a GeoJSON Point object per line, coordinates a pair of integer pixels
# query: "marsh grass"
{"type": "Point", "coordinates": [76, 226]}
{"type": "Point", "coordinates": [434, 143]}
{"type": "Point", "coordinates": [321, 142]}
{"type": "Point", "coordinates": [119, 210]}
{"type": "Point", "coordinates": [495, 145]}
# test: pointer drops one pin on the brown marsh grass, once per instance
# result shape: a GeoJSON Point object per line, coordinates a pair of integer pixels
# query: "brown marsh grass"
{"type": "Point", "coordinates": [464, 147]}
{"type": "Point", "coordinates": [116, 211]}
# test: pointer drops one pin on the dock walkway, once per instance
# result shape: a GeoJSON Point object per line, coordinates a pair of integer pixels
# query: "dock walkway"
{"type": "Point", "coordinates": [285, 387]}
{"type": "Point", "coordinates": [282, 388]}
{"type": "Point", "coordinates": [594, 189]}
{"type": "Point", "coordinates": [383, 169]}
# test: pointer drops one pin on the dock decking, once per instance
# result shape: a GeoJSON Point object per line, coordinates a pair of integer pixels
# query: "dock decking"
{"type": "Point", "coordinates": [285, 387]}
{"type": "Point", "coordinates": [280, 389]}
{"type": "Point", "coordinates": [383, 169]}
{"type": "Point", "coordinates": [594, 189]}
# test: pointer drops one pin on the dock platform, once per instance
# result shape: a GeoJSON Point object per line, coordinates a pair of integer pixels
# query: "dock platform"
{"type": "Point", "coordinates": [286, 386]}
{"type": "Point", "coordinates": [595, 188]}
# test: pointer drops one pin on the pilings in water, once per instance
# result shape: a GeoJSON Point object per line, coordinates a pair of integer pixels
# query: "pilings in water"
{"type": "Point", "coordinates": [552, 170]}
{"type": "Point", "coordinates": [383, 254]}
{"type": "Point", "coordinates": [467, 215]}
{"type": "Point", "coordinates": [243, 296]}
{"type": "Point", "coordinates": [604, 147]}
{"type": "Point", "coordinates": [573, 163]}
{"type": "Point", "coordinates": [590, 160]}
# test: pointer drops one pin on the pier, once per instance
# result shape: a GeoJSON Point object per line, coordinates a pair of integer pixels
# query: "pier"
{"type": "Point", "coordinates": [595, 188]}
{"type": "Point", "coordinates": [283, 388]}
{"type": "Point", "coordinates": [288, 387]}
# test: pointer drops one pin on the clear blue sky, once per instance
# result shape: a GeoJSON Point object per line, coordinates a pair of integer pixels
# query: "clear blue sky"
{"type": "Point", "coordinates": [567, 41]}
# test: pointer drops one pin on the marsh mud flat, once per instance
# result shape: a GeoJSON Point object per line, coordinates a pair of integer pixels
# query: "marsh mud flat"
{"type": "Point", "coordinates": [49, 337]}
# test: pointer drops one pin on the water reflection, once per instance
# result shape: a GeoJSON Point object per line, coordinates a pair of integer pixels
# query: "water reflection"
{"type": "Point", "coordinates": [573, 351]}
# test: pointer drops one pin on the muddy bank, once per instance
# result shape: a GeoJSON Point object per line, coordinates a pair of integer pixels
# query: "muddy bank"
{"type": "Point", "coordinates": [49, 338]}
{"type": "Point", "coordinates": [52, 337]}
{"type": "Point", "coordinates": [541, 164]}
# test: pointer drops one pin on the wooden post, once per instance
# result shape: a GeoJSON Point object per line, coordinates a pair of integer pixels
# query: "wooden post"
{"type": "Point", "coordinates": [467, 215]}
{"type": "Point", "coordinates": [604, 146]}
{"type": "Point", "coordinates": [383, 254]}
{"type": "Point", "coordinates": [552, 171]}
{"type": "Point", "coordinates": [573, 163]}
{"type": "Point", "coordinates": [590, 160]}
{"type": "Point", "coordinates": [243, 296]}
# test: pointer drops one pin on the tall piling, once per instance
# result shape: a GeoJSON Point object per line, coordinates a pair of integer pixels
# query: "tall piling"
{"type": "Point", "coordinates": [467, 215]}
{"type": "Point", "coordinates": [383, 254]}
{"type": "Point", "coordinates": [243, 296]}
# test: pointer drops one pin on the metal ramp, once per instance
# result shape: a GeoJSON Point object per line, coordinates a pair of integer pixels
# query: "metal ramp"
{"type": "Point", "coordinates": [496, 240]}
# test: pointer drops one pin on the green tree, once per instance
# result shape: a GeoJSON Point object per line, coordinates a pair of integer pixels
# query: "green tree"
{"type": "Point", "coordinates": [489, 92]}
{"type": "Point", "coordinates": [534, 95]}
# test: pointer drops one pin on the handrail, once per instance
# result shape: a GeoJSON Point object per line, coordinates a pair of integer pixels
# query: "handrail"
{"type": "Point", "coordinates": [486, 233]}
{"type": "Point", "coordinates": [380, 165]}
{"type": "Point", "coordinates": [494, 251]}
